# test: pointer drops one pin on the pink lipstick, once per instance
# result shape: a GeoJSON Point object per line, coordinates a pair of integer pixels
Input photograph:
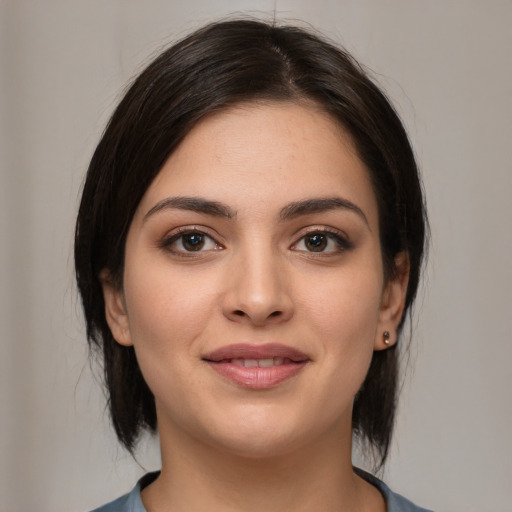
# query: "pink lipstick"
{"type": "Point", "coordinates": [257, 366]}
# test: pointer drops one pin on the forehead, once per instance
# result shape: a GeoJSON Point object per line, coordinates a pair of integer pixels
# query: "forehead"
{"type": "Point", "coordinates": [264, 154]}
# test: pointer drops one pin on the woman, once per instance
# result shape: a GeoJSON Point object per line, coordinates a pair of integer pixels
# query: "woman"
{"type": "Point", "coordinates": [248, 244]}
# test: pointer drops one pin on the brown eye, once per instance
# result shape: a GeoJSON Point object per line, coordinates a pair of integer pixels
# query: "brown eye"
{"type": "Point", "coordinates": [322, 242]}
{"type": "Point", "coordinates": [190, 242]}
{"type": "Point", "coordinates": [316, 242]}
{"type": "Point", "coordinates": [193, 241]}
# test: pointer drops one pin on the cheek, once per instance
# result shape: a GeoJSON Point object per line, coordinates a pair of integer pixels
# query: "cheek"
{"type": "Point", "coordinates": [167, 311]}
{"type": "Point", "coordinates": [167, 317]}
{"type": "Point", "coordinates": [343, 315]}
{"type": "Point", "coordinates": [345, 305]}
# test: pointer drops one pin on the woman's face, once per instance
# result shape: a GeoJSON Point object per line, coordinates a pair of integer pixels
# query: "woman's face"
{"type": "Point", "coordinates": [253, 288]}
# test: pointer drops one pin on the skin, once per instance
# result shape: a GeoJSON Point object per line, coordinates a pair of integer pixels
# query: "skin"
{"type": "Point", "coordinates": [256, 280]}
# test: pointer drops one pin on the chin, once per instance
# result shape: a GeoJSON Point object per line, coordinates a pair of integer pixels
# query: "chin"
{"type": "Point", "coordinates": [258, 446]}
{"type": "Point", "coordinates": [263, 437]}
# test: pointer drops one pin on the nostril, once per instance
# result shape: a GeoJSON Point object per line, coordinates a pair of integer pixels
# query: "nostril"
{"type": "Point", "coordinates": [239, 312]}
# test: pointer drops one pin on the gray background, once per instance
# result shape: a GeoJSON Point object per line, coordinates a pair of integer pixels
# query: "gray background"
{"type": "Point", "coordinates": [447, 66]}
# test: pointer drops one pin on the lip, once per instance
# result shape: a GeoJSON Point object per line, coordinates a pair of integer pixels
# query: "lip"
{"type": "Point", "coordinates": [257, 377]}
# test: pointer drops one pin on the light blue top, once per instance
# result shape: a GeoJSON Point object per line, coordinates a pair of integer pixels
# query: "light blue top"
{"type": "Point", "coordinates": [132, 502]}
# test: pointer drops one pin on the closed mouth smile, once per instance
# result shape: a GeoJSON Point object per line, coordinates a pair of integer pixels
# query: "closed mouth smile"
{"type": "Point", "coordinates": [255, 366]}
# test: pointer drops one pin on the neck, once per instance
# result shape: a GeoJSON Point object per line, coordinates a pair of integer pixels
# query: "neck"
{"type": "Point", "coordinates": [319, 476]}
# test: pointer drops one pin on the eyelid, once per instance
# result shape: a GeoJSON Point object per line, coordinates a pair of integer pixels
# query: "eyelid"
{"type": "Point", "coordinates": [339, 236]}
{"type": "Point", "coordinates": [174, 235]}
{"type": "Point", "coordinates": [320, 228]}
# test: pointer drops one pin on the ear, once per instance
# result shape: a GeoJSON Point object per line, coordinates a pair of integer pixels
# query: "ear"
{"type": "Point", "coordinates": [115, 309]}
{"type": "Point", "coordinates": [392, 304]}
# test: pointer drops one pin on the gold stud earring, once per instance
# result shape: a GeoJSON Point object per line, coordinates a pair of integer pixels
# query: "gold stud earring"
{"type": "Point", "coordinates": [386, 337]}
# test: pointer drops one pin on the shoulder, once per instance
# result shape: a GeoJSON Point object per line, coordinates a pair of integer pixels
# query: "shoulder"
{"type": "Point", "coordinates": [121, 504]}
{"type": "Point", "coordinates": [130, 502]}
{"type": "Point", "coordinates": [394, 502]}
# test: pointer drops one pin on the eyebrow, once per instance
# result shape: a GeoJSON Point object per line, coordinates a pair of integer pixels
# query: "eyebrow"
{"type": "Point", "coordinates": [290, 211]}
{"type": "Point", "coordinates": [319, 205]}
{"type": "Point", "coordinates": [195, 204]}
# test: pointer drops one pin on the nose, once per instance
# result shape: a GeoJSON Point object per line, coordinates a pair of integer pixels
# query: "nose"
{"type": "Point", "coordinates": [258, 290]}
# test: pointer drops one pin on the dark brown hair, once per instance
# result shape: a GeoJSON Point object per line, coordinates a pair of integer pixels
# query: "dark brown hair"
{"type": "Point", "coordinates": [220, 65]}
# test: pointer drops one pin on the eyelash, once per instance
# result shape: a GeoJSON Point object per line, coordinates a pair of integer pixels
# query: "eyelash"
{"type": "Point", "coordinates": [180, 234]}
{"type": "Point", "coordinates": [340, 240]}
